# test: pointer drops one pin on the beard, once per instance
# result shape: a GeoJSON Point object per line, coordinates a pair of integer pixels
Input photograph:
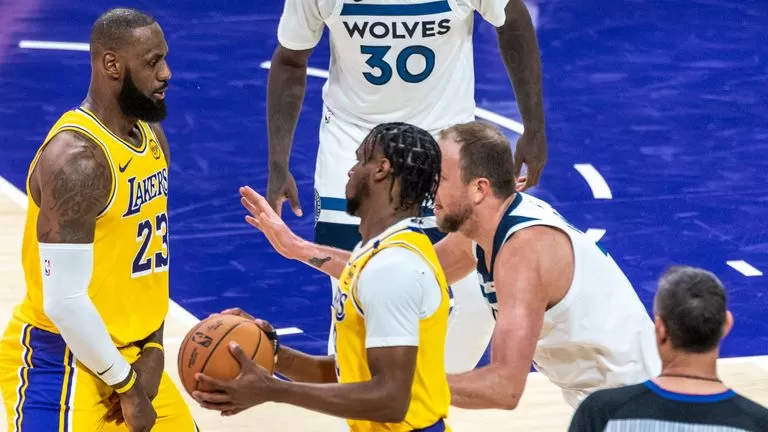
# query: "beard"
{"type": "Point", "coordinates": [134, 103]}
{"type": "Point", "coordinates": [354, 201]}
{"type": "Point", "coordinates": [453, 221]}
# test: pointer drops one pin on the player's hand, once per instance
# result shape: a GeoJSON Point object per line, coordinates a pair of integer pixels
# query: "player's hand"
{"type": "Point", "coordinates": [281, 186]}
{"type": "Point", "coordinates": [137, 410]}
{"type": "Point", "coordinates": [264, 218]}
{"type": "Point", "coordinates": [149, 368]}
{"type": "Point", "coordinates": [532, 150]}
{"type": "Point", "coordinates": [251, 387]}
{"type": "Point", "coordinates": [264, 325]}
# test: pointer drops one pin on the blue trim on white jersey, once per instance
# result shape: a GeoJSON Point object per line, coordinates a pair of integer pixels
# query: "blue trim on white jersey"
{"type": "Point", "coordinates": [363, 9]}
{"type": "Point", "coordinates": [505, 224]}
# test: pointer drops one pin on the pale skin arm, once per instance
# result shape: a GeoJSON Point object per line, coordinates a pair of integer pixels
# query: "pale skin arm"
{"type": "Point", "coordinates": [519, 271]}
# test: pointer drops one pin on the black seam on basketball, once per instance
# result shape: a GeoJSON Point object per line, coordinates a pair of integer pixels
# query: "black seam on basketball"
{"type": "Point", "coordinates": [182, 356]}
{"type": "Point", "coordinates": [258, 344]}
{"type": "Point", "coordinates": [205, 363]}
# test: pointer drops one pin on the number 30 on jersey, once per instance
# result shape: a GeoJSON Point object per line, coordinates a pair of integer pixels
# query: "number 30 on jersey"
{"type": "Point", "coordinates": [143, 262]}
{"type": "Point", "coordinates": [376, 61]}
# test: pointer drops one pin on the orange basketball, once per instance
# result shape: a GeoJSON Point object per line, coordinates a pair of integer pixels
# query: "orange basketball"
{"type": "Point", "coordinates": [205, 349]}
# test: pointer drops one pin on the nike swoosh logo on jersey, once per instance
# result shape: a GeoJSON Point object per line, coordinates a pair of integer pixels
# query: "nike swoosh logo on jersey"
{"type": "Point", "coordinates": [122, 168]}
{"type": "Point", "coordinates": [102, 373]}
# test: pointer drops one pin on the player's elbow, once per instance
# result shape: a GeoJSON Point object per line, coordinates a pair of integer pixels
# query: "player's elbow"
{"type": "Point", "coordinates": [507, 400]}
{"type": "Point", "coordinates": [56, 310]}
{"type": "Point", "coordinates": [508, 392]}
{"type": "Point", "coordinates": [395, 406]}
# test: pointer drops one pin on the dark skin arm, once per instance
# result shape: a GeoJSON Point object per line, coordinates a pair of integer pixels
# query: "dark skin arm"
{"type": "Point", "coordinates": [292, 364]}
{"type": "Point", "coordinates": [71, 184]}
{"type": "Point", "coordinates": [286, 85]}
{"type": "Point", "coordinates": [520, 280]}
{"type": "Point", "coordinates": [384, 398]}
{"type": "Point", "coordinates": [520, 52]}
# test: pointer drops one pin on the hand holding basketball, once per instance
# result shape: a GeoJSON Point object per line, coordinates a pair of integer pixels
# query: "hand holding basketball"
{"type": "Point", "coordinates": [251, 387]}
{"type": "Point", "coordinates": [264, 218]}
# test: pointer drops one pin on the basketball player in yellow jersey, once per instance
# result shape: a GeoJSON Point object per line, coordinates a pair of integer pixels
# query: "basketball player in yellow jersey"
{"type": "Point", "coordinates": [391, 310]}
{"type": "Point", "coordinates": [83, 351]}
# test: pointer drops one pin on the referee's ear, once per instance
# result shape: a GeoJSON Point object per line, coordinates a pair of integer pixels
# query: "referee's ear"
{"type": "Point", "coordinates": [661, 331]}
{"type": "Point", "coordinates": [727, 325]}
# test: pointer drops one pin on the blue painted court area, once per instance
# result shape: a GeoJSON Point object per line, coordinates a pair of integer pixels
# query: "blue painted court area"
{"type": "Point", "coordinates": [666, 100]}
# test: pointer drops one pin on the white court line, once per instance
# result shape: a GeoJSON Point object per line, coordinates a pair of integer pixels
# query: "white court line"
{"type": "Point", "coordinates": [595, 180]}
{"type": "Point", "coordinates": [52, 45]}
{"type": "Point", "coordinates": [174, 309]}
{"type": "Point", "coordinates": [744, 268]}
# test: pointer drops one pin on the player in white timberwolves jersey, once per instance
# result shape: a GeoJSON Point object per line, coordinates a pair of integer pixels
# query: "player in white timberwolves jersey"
{"type": "Point", "coordinates": [560, 301]}
{"type": "Point", "coordinates": [395, 60]}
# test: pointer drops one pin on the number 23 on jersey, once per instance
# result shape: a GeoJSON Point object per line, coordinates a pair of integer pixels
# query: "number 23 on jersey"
{"type": "Point", "coordinates": [147, 260]}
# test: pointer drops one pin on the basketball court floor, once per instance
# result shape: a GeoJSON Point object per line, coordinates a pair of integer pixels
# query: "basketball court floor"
{"type": "Point", "coordinates": [657, 129]}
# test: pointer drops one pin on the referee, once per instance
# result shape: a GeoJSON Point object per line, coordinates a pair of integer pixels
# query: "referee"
{"type": "Point", "coordinates": [691, 319]}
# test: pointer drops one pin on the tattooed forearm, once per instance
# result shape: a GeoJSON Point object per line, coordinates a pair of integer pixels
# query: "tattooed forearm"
{"type": "Point", "coordinates": [74, 190]}
{"type": "Point", "coordinates": [318, 262]}
{"type": "Point", "coordinates": [520, 52]}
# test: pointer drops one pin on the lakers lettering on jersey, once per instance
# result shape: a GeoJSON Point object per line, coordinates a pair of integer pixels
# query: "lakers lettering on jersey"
{"type": "Point", "coordinates": [394, 59]}
{"type": "Point", "coordinates": [430, 395]}
{"type": "Point", "coordinates": [129, 285]}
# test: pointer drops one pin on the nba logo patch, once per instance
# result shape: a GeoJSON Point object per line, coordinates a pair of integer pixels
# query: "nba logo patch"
{"type": "Point", "coordinates": [328, 116]}
{"type": "Point", "coordinates": [47, 269]}
{"type": "Point", "coordinates": [154, 148]}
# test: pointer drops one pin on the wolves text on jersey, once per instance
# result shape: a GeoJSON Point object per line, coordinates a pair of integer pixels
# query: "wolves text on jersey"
{"type": "Point", "coordinates": [146, 190]}
{"type": "Point", "coordinates": [397, 30]}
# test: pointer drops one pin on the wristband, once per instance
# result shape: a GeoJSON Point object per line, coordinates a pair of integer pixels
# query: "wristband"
{"type": "Point", "coordinates": [272, 336]}
{"type": "Point", "coordinates": [129, 384]}
{"type": "Point", "coordinates": [152, 345]}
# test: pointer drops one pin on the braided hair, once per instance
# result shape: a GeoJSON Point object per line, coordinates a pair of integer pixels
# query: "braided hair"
{"type": "Point", "coordinates": [415, 159]}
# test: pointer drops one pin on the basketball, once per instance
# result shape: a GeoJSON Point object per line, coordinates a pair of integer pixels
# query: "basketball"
{"type": "Point", "coordinates": [205, 349]}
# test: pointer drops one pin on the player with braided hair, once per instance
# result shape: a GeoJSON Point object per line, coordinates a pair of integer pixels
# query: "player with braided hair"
{"type": "Point", "coordinates": [396, 60]}
{"type": "Point", "coordinates": [413, 158]}
{"type": "Point", "coordinates": [390, 313]}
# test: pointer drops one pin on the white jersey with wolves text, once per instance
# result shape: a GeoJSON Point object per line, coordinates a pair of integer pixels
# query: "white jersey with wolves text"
{"type": "Point", "coordinates": [394, 60]}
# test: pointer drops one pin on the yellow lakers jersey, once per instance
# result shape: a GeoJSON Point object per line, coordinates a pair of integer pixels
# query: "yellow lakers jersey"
{"type": "Point", "coordinates": [430, 395]}
{"type": "Point", "coordinates": [129, 285]}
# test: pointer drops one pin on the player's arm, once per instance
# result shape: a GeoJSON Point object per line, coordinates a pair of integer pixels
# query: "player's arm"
{"type": "Point", "coordinates": [392, 324]}
{"type": "Point", "coordinates": [454, 252]}
{"type": "Point", "coordinates": [519, 50]}
{"type": "Point", "coordinates": [72, 184]}
{"type": "Point", "coordinates": [390, 294]}
{"type": "Point", "coordinates": [522, 300]}
{"type": "Point", "coordinates": [301, 367]}
{"type": "Point", "coordinates": [328, 260]}
{"type": "Point", "coordinates": [299, 31]}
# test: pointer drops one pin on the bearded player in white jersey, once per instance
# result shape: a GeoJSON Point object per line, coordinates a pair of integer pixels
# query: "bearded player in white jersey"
{"type": "Point", "coordinates": [396, 60]}
{"type": "Point", "coordinates": [559, 300]}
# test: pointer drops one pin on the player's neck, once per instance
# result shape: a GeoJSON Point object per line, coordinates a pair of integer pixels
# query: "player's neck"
{"type": "Point", "coordinates": [108, 111]}
{"type": "Point", "coordinates": [691, 373]}
{"type": "Point", "coordinates": [487, 217]}
{"type": "Point", "coordinates": [373, 221]}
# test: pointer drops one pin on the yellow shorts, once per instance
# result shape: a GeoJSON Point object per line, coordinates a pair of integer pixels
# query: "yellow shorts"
{"type": "Point", "coordinates": [45, 389]}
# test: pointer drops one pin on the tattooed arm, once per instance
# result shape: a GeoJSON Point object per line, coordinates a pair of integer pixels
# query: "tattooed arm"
{"type": "Point", "coordinates": [520, 53]}
{"type": "Point", "coordinates": [71, 184]}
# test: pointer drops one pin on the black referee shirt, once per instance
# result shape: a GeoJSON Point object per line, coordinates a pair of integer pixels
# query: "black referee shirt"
{"type": "Point", "coordinates": [647, 407]}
